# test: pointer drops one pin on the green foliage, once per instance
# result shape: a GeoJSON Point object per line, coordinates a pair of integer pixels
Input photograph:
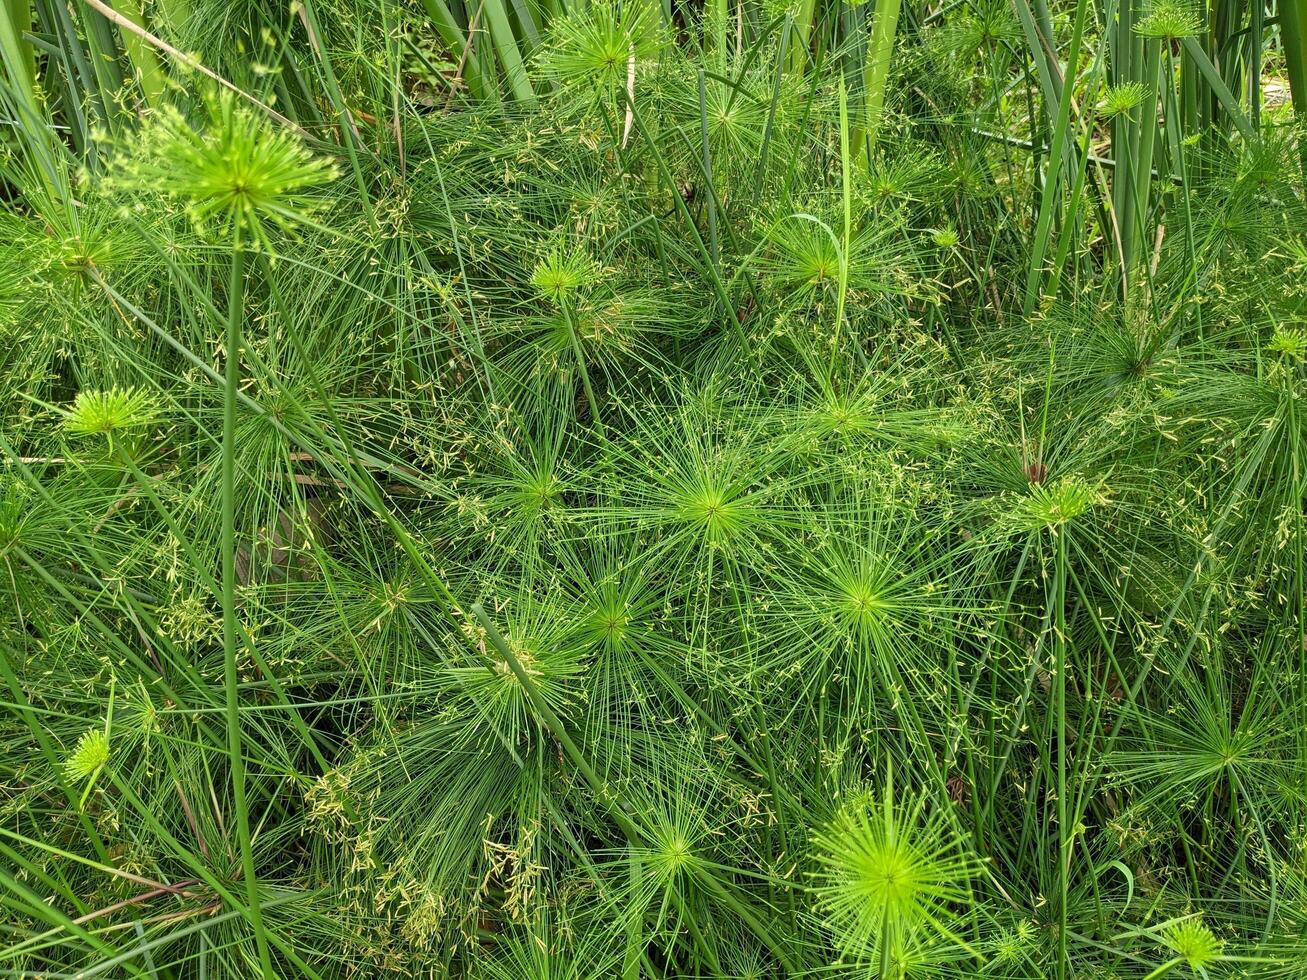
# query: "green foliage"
{"type": "Point", "coordinates": [1192, 942]}
{"type": "Point", "coordinates": [106, 412]}
{"type": "Point", "coordinates": [886, 875]}
{"type": "Point", "coordinates": [239, 171]}
{"type": "Point", "coordinates": [89, 756]}
{"type": "Point", "coordinates": [547, 490]}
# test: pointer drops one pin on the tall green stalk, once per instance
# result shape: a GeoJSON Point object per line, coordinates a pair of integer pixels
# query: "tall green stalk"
{"type": "Point", "coordinates": [797, 55]}
{"type": "Point", "coordinates": [19, 56]}
{"type": "Point", "coordinates": [1293, 37]}
{"type": "Point", "coordinates": [1127, 68]}
{"type": "Point", "coordinates": [1065, 838]}
{"type": "Point", "coordinates": [1144, 142]}
{"type": "Point", "coordinates": [506, 45]}
{"type": "Point", "coordinates": [149, 69]}
{"type": "Point", "coordinates": [880, 52]}
{"type": "Point", "coordinates": [231, 641]}
{"type": "Point", "coordinates": [1053, 178]}
{"type": "Point", "coordinates": [451, 33]}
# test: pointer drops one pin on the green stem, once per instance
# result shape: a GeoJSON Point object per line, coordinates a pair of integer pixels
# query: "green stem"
{"type": "Point", "coordinates": [846, 200]}
{"type": "Point", "coordinates": [1059, 693]}
{"type": "Point", "coordinates": [1219, 89]}
{"type": "Point", "coordinates": [149, 70]}
{"type": "Point", "coordinates": [590, 399]}
{"type": "Point", "coordinates": [1293, 37]}
{"type": "Point", "coordinates": [714, 249]}
{"type": "Point", "coordinates": [20, 57]}
{"type": "Point", "coordinates": [1053, 178]}
{"type": "Point", "coordinates": [1293, 42]}
{"type": "Point", "coordinates": [803, 24]}
{"type": "Point", "coordinates": [1300, 574]}
{"type": "Point", "coordinates": [1136, 220]}
{"type": "Point", "coordinates": [880, 52]}
{"type": "Point", "coordinates": [1127, 67]}
{"type": "Point", "coordinates": [451, 32]}
{"type": "Point", "coordinates": [717, 15]}
{"type": "Point", "coordinates": [230, 625]}
{"type": "Point", "coordinates": [505, 42]}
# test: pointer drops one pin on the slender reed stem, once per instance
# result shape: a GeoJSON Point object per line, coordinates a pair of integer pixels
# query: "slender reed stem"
{"type": "Point", "coordinates": [880, 52]}
{"type": "Point", "coordinates": [1064, 836]}
{"type": "Point", "coordinates": [230, 624]}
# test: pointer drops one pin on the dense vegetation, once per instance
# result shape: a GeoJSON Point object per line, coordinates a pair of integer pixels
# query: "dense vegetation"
{"type": "Point", "coordinates": [571, 490]}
